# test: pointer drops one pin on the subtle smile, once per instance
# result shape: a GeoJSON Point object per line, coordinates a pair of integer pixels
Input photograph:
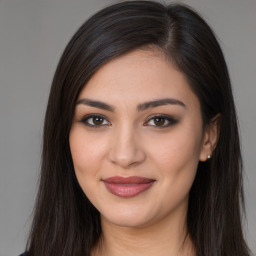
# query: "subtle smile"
{"type": "Point", "coordinates": [127, 186]}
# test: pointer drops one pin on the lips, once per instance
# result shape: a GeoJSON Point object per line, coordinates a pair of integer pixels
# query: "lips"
{"type": "Point", "coordinates": [127, 186]}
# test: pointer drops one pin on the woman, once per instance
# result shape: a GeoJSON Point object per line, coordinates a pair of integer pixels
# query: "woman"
{"type": "Point", "coordinates": [141, 149]}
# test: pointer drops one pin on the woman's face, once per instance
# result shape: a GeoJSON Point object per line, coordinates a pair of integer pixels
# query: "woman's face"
{"type": "Point", "coordinates": [136, 140]}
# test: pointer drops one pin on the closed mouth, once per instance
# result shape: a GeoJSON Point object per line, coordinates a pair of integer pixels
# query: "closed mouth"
{"type": "Point", "coordinates": [127, 186]}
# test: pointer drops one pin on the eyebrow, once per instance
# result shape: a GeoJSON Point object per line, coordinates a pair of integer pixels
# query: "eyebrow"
{"type": "Point", "coordinates": [140, 107]}
{"type": "Point", "coordinates": [160, 102]}
{"type": "Point", "coordinates": [96, 104]}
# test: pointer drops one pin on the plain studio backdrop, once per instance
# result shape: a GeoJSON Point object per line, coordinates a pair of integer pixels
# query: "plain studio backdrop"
{"type": "Point", "coordinates": [33, 34]}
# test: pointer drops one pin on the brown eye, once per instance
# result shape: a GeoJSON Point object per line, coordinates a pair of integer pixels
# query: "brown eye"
{"type": "Point", "coordinates": [95, 121]}
{"type": "Point", "coordinates": [159, 121]}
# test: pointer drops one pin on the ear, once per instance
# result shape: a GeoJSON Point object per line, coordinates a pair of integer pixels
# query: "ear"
{"type": "Point", "coordinates": [210, 139]}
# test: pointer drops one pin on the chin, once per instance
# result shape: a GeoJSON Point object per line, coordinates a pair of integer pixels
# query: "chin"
{"type": "Point", "coordinates": [128, 217]}
{"type": "Point", "coordinates": [127, 221]}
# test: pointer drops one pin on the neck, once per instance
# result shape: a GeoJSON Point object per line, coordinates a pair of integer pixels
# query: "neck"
{"type": "Point", "coordinates": [166, 237]}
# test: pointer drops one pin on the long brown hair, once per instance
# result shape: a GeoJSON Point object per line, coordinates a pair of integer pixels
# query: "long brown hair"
{"type": "Point", "coordinates": [65, 222]}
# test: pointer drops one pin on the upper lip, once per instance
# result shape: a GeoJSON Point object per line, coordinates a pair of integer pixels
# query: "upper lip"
{"type": "Point", "coordinates": [128, 180]}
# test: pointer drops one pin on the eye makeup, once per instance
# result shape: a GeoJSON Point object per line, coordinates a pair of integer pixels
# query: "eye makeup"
{"type": "Point", "coordinates": [157, 120]}
{"type": "Point", "coordinates": [160, 121]}
{"type": "Point", "coordinates": [95, 121]}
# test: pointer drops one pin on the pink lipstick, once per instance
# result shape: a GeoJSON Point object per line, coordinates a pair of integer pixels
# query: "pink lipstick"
{"type": "Point", "coordinates": [127, 186]}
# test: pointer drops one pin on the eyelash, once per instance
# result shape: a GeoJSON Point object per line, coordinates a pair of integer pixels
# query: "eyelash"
{"type": "Point", "coordinates": [91, 116]}
{"type": "Point", "coordinates": [166, 118]}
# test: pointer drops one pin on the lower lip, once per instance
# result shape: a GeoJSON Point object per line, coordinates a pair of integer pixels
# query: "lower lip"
{"type": "Point", "coordinates": [127, 190]}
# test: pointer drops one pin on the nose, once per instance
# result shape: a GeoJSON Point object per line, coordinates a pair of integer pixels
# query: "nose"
{"type": "Point", "coordinates": [126, 150]}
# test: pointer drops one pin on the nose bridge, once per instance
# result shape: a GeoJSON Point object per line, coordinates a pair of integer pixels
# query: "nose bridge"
{"type": "Point", "coordinates": [126, 149]}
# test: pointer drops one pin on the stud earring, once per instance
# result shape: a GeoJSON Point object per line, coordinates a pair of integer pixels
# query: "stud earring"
{"type": "Point", "coordinates": [209, 156]}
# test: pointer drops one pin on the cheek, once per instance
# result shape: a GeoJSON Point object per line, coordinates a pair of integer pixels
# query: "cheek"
{"type": "Point", "coordinates": [87, 155]}
{"type": "Point", "coordinates": [176, 159]}
{"type": "Point", "coordinates": [176, 156]}
{"type": "Point", "coordinates": [87, 152]}
{"type": "Point", "coordinates": [178, 146]}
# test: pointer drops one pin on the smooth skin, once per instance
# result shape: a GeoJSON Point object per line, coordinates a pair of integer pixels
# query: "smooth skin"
{"type": "Point", "coordinates": [116, 133]}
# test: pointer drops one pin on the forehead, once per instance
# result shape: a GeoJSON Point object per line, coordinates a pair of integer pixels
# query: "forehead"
{"type": "Point", "coordinates": [138, 76]}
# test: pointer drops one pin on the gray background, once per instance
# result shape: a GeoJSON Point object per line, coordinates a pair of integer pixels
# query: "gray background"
{"type": "Point", "coordinates": [33, 34]}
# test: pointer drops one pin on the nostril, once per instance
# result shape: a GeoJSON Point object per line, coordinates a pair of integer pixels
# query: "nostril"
{"type": "Point", "coordinates": [126, 157]}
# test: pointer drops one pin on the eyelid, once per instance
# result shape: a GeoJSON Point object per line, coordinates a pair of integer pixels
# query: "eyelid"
{"type": "Point", "coordinates": [87, 117]}
{"type": "Point", "coordinates": [169, 118]}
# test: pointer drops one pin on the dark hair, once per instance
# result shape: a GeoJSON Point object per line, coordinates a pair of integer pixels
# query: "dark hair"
{"type": "Point", "coordinates": [65, 222]}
